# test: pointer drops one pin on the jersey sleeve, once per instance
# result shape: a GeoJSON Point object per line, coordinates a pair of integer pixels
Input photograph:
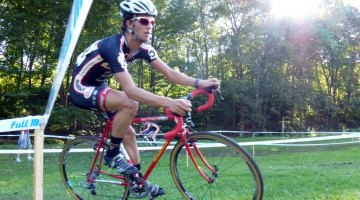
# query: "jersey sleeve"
{"type": "Point", "coordinates": [148, 53]}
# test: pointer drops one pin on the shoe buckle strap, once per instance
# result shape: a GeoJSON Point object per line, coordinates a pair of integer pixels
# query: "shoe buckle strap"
{"type": "Point", "coordinates": [154, 189]}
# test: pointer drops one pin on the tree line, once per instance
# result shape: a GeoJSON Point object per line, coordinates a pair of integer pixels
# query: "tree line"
{"type": "Point", "coordinates": [300, 72]}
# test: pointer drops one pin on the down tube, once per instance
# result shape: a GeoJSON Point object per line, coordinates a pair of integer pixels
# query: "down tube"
{"type": "Point", "coordinates": [156, 159]}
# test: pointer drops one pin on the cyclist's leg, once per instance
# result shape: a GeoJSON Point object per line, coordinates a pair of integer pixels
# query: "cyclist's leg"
{"type": "Point", "coordinates": [106, 99]}
{"type": "Point", "coordinates": [155, 133]}
{"type": "Point", "coordinates": [131, 145]}
{"type": "Point", "coordinates": [127, 109]}
{"type": "Point", "coordinates": [153, 137]}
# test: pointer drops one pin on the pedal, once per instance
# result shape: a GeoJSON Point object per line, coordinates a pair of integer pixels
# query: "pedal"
{"type": "Point", "coordinates": [138, 186]}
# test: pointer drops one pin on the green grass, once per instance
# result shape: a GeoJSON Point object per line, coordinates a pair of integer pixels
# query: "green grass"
{"type": "Point", "coordinates": [304, 173]}
{"type": "Point", "coordinates": [322, 174]}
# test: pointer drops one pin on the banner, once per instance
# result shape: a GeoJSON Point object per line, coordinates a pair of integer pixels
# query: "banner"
{"type": "Point", "coordinates": [17, 124]}
{"type": "Point", "coordinates": [77, 19]}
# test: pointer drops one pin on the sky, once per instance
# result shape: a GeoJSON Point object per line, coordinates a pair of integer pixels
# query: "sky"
{"type": "Point", "coordinates": [301, 8]}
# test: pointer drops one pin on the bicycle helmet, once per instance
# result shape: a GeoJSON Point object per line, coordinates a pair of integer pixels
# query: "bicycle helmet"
{"type": "Point", "coordinates": [130, 7]}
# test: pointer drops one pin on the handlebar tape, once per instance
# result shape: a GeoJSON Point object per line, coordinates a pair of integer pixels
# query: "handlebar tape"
{"type": "Point", "coordinates": [209, 95]}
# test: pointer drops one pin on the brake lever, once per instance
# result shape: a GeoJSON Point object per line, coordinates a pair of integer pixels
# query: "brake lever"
{"type": "Point", "coordinates": [210, 90]}
{"type": "Point", "coordinates": [220, 96]}
{"type": "Point", "coordinates": [188, 119]}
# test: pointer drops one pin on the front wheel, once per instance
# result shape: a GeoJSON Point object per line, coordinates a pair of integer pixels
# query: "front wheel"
{"type": "Point", "coordinates": [232, 171]}
{"type": "Point", "coordinates": [75, 163]}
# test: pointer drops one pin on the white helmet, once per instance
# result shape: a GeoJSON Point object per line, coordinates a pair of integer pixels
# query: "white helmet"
{"type": "Point", "coordinates": [137, 7]}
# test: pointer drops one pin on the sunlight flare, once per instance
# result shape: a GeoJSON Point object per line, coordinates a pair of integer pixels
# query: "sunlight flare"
{"type": "Point", "coordinates": [295, 8]}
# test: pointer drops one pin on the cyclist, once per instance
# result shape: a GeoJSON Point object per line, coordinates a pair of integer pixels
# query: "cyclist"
{"type": "Point", "coordinates": [110, 57]}
{"type": "Point", "coordinates": [151, 129]}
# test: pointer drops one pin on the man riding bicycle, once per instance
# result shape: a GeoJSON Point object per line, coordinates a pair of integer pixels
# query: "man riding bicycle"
{"type": "Point", "coordinates": [151, 129]}
{"type": "Point", "coordinates": [110, 57]}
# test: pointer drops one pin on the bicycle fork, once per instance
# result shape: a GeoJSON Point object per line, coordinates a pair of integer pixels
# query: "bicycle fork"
{"type": "Point", "coordinates": [190, 144]}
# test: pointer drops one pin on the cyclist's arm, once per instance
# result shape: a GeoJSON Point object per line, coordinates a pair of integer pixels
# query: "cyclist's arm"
{"type": "Point", "coordinates": [180, 78]}
{"type": "Point", "coordinates": [171, 74]}
{"type": "Point", "coordinates": [127, 83]}
{"type": "Point", "coordinates": [138, 94]}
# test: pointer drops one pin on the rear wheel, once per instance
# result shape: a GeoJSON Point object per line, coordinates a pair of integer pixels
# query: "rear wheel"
{"type": "Point", "coordinates": [235, 174]}
{"type": "Point", "coordinates": [75, 162]}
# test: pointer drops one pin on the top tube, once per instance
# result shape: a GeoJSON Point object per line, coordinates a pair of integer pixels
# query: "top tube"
{"type": "Point", "coordinates": [177, 118]}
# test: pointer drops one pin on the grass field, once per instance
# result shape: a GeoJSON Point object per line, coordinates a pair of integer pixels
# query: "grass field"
{"type": "Point", "coordinates": [319, 172]}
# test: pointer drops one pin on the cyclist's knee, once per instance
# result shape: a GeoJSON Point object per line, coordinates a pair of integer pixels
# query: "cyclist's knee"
{"type": "Point", "coordinates": [117, 100]}
{"type": "Point", "coordinates": [130, 107]}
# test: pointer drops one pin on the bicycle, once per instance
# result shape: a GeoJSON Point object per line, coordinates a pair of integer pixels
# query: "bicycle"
{"type": "Point", "coordinates": [221, 168]}
{"type": "Point", "coordinates": [147, 140]}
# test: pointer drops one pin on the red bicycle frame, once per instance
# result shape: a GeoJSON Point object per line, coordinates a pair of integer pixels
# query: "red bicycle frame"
{"type": "Point", "coordinates": [179, 130]}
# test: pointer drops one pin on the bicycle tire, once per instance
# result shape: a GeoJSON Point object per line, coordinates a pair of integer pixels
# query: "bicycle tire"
{"type": "Point", "coordinates": [238, 176]}
{"type": "Point", "coordinates": [74, 165]}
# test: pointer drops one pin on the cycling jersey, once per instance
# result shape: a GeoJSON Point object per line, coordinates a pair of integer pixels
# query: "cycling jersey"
{"type": "Point", "coordinates": [149, 132]}
{"type": "Point", "coordinates": [151, 129]}
{"type": "Point", "coordinates": [97, 64]}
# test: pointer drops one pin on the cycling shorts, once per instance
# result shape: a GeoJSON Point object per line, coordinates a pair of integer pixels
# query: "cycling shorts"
{"type": "Point", "coordinates": [94, 100]}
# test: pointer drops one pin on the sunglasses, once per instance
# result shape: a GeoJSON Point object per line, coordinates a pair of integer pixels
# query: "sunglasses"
{"type": "Point", "coordinates": [144, 20]}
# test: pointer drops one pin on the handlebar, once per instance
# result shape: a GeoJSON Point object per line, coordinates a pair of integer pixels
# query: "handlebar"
{"type": "Point", "coordinates": [208, 92]}
{"type": "Point", "coordinates": [210, 97]}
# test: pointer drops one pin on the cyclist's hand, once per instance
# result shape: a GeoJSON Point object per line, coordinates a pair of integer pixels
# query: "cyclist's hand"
{"type": "Point", "coordinates": [180, 106]}
{"type": "Point", "coordinates": [211, 82]}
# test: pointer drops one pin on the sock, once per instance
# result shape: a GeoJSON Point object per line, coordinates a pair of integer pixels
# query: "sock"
{"type": "Point", "coordinates": [138, 166]}
{"type": "Point", "coordinates": [114, 147]}
{"type": "Point", "coordinates": [115, 140]}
